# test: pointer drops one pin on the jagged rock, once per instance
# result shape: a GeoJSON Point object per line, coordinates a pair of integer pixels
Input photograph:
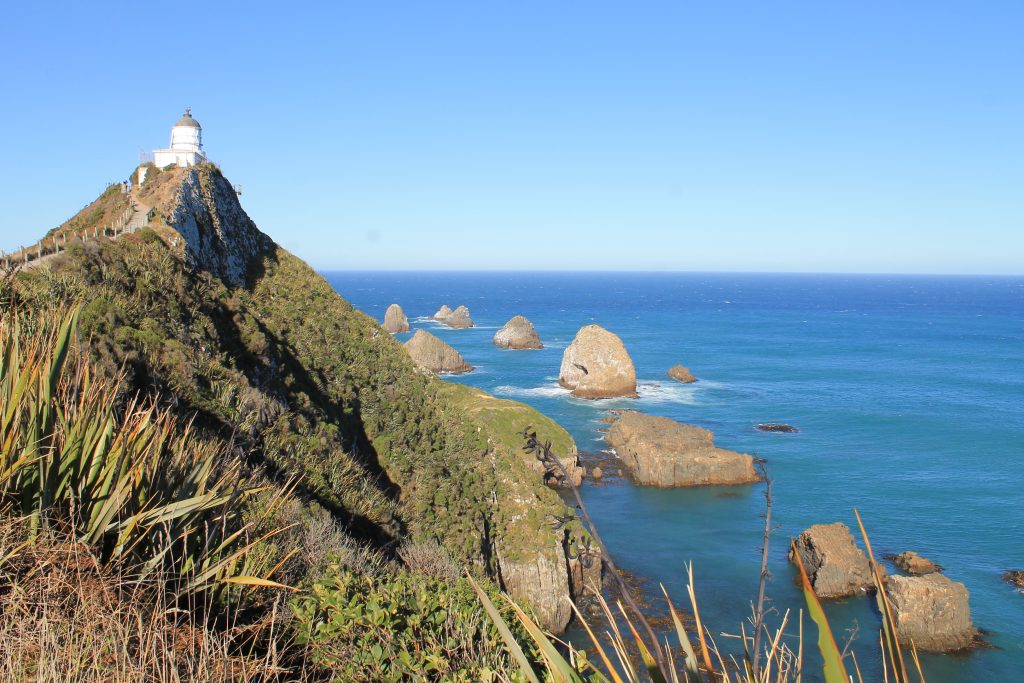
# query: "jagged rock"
{"type": "Point", "coordinates": [596, 365]}
{"type": "Point", "coordinates": [914, 564]}
{"type": "Point", "coordinates": [219, 236]}
{"type": "Point", "coordinates": [932, 611]}
{"type": "Point", "coordinates": [1014, 577]}
{"type": "Point", "coordinates": [682, 374]}
{"type": "Point", "coordinates": [662, 452]}
{"type": "Point", "coordinates": [443, 313]}
{"type": "Point", "coordinates": [395, 320]}
{"type": "Point", "coordinates": [835, 565]}
{"type": "Point", "coordinates": [459, 319]}
{"type": "Point", "coordinates": [518, 333]}
{"type": "Point", "coordinates": [776, 427]}
{"type": "Point", "coordinates": [430, 353]}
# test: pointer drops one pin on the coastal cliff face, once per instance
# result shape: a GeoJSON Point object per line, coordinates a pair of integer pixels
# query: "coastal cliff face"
{"type": "Point", "coordinates": [205, 313]}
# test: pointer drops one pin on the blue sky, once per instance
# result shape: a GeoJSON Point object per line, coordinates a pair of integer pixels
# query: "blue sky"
{"type": "Point", "coordinates": [760, 136]}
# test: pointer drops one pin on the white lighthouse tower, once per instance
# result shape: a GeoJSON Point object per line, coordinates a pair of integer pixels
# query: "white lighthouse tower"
{"type": "Point", "coordinates": [186, 144]}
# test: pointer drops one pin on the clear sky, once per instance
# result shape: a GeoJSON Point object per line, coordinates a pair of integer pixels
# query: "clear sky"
{"type": "Point", "coordinates": [763, 136]}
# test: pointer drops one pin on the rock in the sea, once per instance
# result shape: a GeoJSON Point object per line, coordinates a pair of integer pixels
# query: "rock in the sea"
{"type": "Point", "coordinates": [459, 319]}
{"type": "Point", "coordinates": [1014, 577]}
{"type": "Point", "coordinates": [395, 320]}
{"type": "Point", "coordinates": [682, 374]}
{"type": "Point", "coordinates": [662, 452]}
{"type": "Point", "coordinates": [776, 427]}
{"type": "Point", "coordinates": [430, 353]}
{"type": "Point", "coordinates": [596, 473]}
{"type": "Point", "coordinates": [932, 611]}
{"type": "Point", "coordinates": [914, 564]}
{"type": "Point", "coordinates": [443, 313]}
{"type": "Point", "coordinates": [834, 563]}
{"type": "Point", "coordinates": [518, 333]}
{"type": "Point", "coordinates": [596, 365]}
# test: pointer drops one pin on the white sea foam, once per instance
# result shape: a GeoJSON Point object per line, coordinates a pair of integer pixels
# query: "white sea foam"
{"type": "Point", "coordinates": [546, 391]}
{"type": "Point", "coordinates": [649, 392]}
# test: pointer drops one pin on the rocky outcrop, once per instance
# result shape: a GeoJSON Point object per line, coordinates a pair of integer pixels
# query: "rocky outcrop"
{"type": "Point", "coordinates": [1014, 577]}
{"type": "Point", "coordinates": [219, 236]}
{"type": "Point", "coordinates": [597, 365]}
{"type": "Point", "coordinates": [914, 564]}
{"type": "Point", "coordinates": [776, 427]}
{"type": "Point", "coordinates": [518, 333]}
{"type": "Point", "coordinates": [395, 320]}
{"type": "Point", "coordinates": [443, 313]}
{"type": "Point", "coordinates": [432, 354]}
{"type": "Point", "coordinates": [931, 611]}
{"type": "Point", "coordinates": [835, 565]}
{"type": "Point", "coordinates": [658, 451]}
{"type": "Point", "coordinates": [458, 319]}
{"type": "Point", "coordinates": [678, 372]}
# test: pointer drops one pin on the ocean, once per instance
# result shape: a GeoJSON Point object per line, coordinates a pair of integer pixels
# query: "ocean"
{"type": "Point", "coordinates": [908, 392]}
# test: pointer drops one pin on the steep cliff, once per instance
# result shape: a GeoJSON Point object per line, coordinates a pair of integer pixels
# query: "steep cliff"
{"type": "Point", "coordinates": [207, 314]}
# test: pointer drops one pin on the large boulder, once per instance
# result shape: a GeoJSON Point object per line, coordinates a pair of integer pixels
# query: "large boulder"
{"type": "Point", "coordinates": [395, 320]}
{"type": "Point", "coordinates": [931, 611]}
{"type": "Point", "coordinates": [518, 333]}
{"type": "Point", "coordinates": [914, 564]}
{"type": "Point", "coordinates": [430, 353]}
{"type": "Point", "coordinates": [658, 451]}
{"type": "Point", "coordinates": [459, 319]}
{"type": "Point", "coordinates": [834, 563]}
{"type": "Point", "coordinates": [596, 365]}
{"type": "Point", "coordinates": [679, 372]}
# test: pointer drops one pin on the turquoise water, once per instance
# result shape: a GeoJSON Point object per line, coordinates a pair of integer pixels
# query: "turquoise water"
{"type": "Point", "coordinates": [908, 391]}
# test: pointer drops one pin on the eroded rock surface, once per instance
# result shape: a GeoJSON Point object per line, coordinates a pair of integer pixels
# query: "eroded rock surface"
{"type": "Point", "coordinates": [682, 374]}
{"type": "Point", "coordinates": [395, 320]}
{"type": "Point", "coordinates": [597, 365]}
{"type": "Point", "coordinates": [932, 611]}
{"type": "Point", "coordinates": [430, 353]}
{"type": "Point", "coordinates": [662, 452]}
{"type": "Point", "coordinates": [835, 565]}
{"type": "Point", "coordinates": [914, 564]}
{"type": "Point", "coordinates": [459, 319]}
{"type": "Point", "coordinates": [518, 333]}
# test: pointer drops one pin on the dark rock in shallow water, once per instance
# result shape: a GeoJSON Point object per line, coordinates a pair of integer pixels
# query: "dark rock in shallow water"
{"type": "Point", "coordinates": [776, 427]}
{"type": "Point", "coordinates": [914, 564]}
{"type": "Point", "coordinates": [1015, 577]}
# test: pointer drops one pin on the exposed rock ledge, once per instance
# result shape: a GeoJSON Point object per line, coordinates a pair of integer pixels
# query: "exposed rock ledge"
{"type": "Point", "coordinates": [596, 365]}
{"type": "Point", "coordinates": [395, 320]}
{"type": "Point", "coordinates": [518, 333]}
{"type": "Point", "coordinates": [662, 452]}
{"type": "Point", "coordinates": [432, 354]}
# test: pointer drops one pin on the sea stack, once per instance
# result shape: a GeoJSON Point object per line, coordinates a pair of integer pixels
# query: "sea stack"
{"type": "Point", "coordinates": [596, 365]}
{"type": "Point", "coordinates": [443, 313]}
{"type": "Point", "coordinates": [395, 320]}
{"type": "Point", "coordinates": [931, 611]}
{"type": "Point", "coordinates": [459, 319]}
{"type": "Point", "coordinates": [430, 353]}
{"type": "Point", "coordinates": [680, 373]}
{"type": "Point", "coordinates": [658, 451]}
{"type": "Point", "coordinates": [518, 333]}
{"type": "Point", "coordinates": [834, 564]}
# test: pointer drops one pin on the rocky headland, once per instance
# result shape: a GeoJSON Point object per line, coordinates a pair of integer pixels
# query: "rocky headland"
{"type": "Point", "coordinates": [432, 354]}
{"type": "Point", "coordinates": [658, 451]}
{"type": "Point", "coordinates": [518, 333]}
{"type": "Point", "coordinates": [597, 365]}
{"type": "Point", "coordinates": [395, 320]}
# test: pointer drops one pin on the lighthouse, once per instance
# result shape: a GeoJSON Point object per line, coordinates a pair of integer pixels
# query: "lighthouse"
{"type": "Point", "coordinates": [186, 144]}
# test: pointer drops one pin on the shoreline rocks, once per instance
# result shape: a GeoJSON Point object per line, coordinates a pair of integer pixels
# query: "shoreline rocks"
{"type": "Point", "coordinates": [430, 353]}
{"type": "Point", "coordinates": [457, 320]}
{"type": "Point", "coordinates": [680, 373]}
{"type": "Point", "coordinates": [835, 565]}
{"type": "Point", "coordinates": [915, 565]}
{"type": "Point", "coordinates": [518, 333]}
{"type": "Point", "coordinates": [931, 611]}
{"type": "Point", "coordinates": [395, 320]}
{"type": "Point", "coordinates": [658, 451]}
{"type": "Point", "coordinates": [597, 365]}
{"type": "Point", "coordinates": [776, 427]}
{"type": "Point", "coordinates": [1014, 577]}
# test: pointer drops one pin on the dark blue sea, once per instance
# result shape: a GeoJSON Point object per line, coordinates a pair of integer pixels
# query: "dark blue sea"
{"type": "Point", "coordinates": [908, 392]}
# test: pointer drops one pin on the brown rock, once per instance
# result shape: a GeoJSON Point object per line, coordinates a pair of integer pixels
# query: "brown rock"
{"type": "Point", "coordinates": [914, 564]}
{"type": "Point", "coordinates": [931, 611]}
{"type": "Point", "coordinates": [518, 333]}
{"type": "Point", "coordinates": [443, 313]}
{"type": "Point", "coordinates": [682, 374]}
{"type": "Point", "coordinates": [459, 319]}
{"type": "Point", "coordinates": [395, 320]}
{"type": "Point", "coordinates": [1014, 577]}
{"type": "Point", "coordinates": [543, 579]}
{"type": "Point", "coordinates": [834, 563]}
{"type": "Point", "coordinates": [430, 353]}
{"type": "Point", "coordinates": [596, 473]}
{"type": "Point", "coordinates": [662, 452]}
{"type": "Point", "coordinates": [596, 365]}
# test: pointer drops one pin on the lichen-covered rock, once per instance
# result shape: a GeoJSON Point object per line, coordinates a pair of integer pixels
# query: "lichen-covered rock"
{"type": "Point", "coordinates": [835, 565]}
{"type": "Point", "coordinates": [219, 236]}
{"type": "Point", "coordinates": [518, 333]}
{"type": "Point", "coordinates": [678, 372]}
{"type": "Point", "coordinates": [432, 354]}
{"type": "Point", "coordinates": [597, 365]}
{"type": "Point", "coordinates": [914, 564]}
{"type": "Point", "coordinates": [395, 320]}
{"type": "Point", "coordinates": [931, 611]}
{"type": "Point", "coordinates": [658, 451]}
{"type": "Point", "coordinates": [459, 319]}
